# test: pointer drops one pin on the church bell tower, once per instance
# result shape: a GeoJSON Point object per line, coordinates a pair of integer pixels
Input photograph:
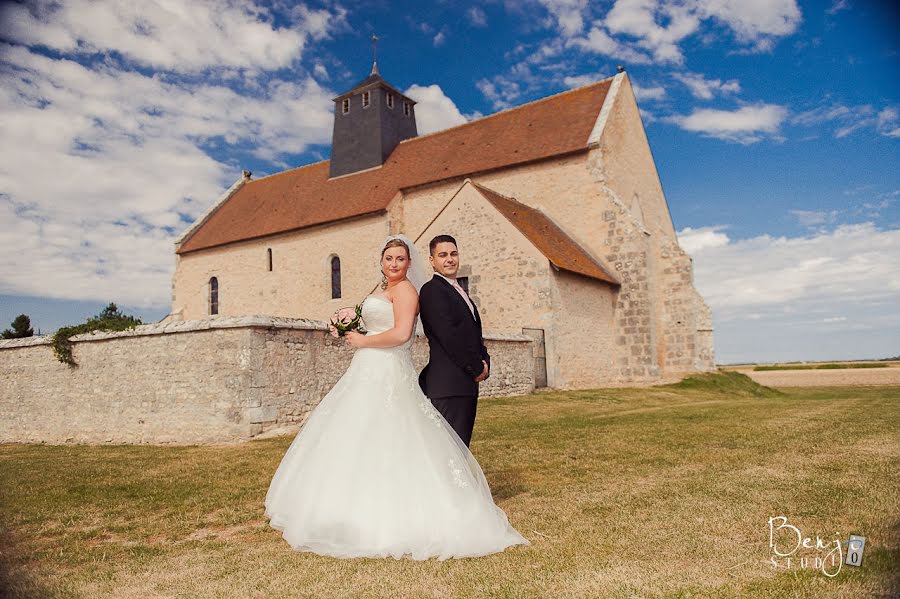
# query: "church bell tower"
{"type": "Point", "coordinates": [369, 121]}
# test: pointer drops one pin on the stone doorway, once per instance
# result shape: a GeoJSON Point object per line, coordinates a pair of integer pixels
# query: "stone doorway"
{"type": "Point", "coordinates": [540, 356]}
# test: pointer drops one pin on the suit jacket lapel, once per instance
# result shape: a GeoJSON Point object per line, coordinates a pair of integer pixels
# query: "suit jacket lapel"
{"type": "Point", "coordinates": [459, 297]}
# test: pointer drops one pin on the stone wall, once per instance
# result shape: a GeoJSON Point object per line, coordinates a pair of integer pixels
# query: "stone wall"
{"type": "Point", "coordinates": [215, 380]}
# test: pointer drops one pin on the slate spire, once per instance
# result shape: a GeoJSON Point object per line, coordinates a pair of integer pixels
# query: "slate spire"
{"type": "Point", "coordinates": [369, 121]}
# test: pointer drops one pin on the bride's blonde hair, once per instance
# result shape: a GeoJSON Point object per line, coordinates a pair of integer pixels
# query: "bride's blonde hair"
{"type": "Point", "coordinates": [393, 243]}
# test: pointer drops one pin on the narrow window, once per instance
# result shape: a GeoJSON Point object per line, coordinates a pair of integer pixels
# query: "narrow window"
{"type": "Point", "coordinates": [463, 282]}
{"type": "Point", "coordinates": [214, 295]}
{"type": "Point", "coordinates": [345, 105]}
{"type": "Point", "coordinates": [390, 100]}
{"type": "Point", "coordinates": [406, 109]}
{"type": "Point", "coordinates": [335, 277]}
{"type": "Point", "coordinates": [366, 99]}
{"type": "Point", "coordinates": [269, 252]}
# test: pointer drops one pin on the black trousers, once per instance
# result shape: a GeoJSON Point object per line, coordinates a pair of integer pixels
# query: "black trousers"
{"type": "Point", "coordinates": [459, 412]}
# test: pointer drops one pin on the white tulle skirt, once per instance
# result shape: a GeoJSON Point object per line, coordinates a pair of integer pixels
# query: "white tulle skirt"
{"type": "Point", "coordinates": [376, 471]}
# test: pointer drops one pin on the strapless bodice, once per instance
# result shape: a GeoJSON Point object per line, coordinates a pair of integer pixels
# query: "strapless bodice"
{"type": "Point", "coordinates": [378, 317]}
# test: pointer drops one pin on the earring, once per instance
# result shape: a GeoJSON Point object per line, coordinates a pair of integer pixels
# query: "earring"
{"type": "Point", "coordinates": [384, 280]}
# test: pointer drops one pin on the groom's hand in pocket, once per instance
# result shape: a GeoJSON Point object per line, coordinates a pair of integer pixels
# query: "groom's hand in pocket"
{"type": "Point", "coordinates": [484, 373]}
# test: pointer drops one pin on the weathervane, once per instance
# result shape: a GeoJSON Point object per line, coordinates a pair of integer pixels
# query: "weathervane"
{"type": "Point", "coordinates": [374, 54]}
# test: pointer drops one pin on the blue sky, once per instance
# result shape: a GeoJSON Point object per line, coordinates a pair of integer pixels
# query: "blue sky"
{"type": "Point", "coordinates": [775, 126]}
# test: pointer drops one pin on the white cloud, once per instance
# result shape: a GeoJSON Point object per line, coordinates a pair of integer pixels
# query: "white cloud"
{"type": "Point", "coordinates": [439, 39]}
{"type": "Point", "coordinates": [434, 110]}
{"type": "Point", "coordinates": [100, 168]}
{"type": "Point", "coordinates": [748, 124]}
{"type": "Point", "coordinates": [642, 31]}
{"type": "Point", "coordinates": [888, 122]}
{"type": "Point", "coordinates": [854, 263]}
{"type": "Point", "coordinates": [501, 92]}
{"type": "Point", "coordinates": [814, 218]}
{"type": "Point", "coordinates": [830, 295]}
{"type": "Point", "coordinates": [476, 17]}
{"type": "Point", "coordinates": [600, 42]}
{"type": "Point", "coordinates": [693, 240]}
{"type": "Point", "coordinates": [850, 119]}
{"type": "Point", "coordinates": [837, 6]}
{"type": "Point", "coordinates": [567, 14]}
{"type": "Point", "coordinates": [704, 88]}
{"type": "Point", "coordinates": [756, 23]}
{"type": "Point", "coordinates": [169, 34]}
{"type": "Point", "coordinates": [642, 19]}
{"type": "Point", "coordinates": [646, 94]}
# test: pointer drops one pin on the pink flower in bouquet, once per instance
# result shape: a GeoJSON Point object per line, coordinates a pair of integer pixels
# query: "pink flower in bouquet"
{"type": "Point", "coordinates": [345, 319]}
{"type": "Point", "coordinates": [333, 331]}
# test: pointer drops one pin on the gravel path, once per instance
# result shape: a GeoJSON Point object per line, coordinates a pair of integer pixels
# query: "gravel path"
{"type": "Point", "coordinates": [825, 378]}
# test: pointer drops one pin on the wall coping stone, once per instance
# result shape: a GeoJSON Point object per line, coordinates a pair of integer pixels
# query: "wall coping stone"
{"type": "Point", "coordinates": [215, 322]}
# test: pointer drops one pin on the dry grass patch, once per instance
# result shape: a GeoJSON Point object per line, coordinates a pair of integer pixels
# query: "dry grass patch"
{"type": "Point", "coordinates": [623, 493]}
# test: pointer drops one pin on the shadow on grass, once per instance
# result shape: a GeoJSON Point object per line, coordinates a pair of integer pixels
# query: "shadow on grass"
{"type": "Point", "coordinates": [15, 581]}
{"type": "Point", "coordinates": [505, 483]}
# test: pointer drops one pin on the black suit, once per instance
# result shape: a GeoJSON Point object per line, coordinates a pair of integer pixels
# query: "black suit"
{"type": "Point", "coordinates": [456, 349]}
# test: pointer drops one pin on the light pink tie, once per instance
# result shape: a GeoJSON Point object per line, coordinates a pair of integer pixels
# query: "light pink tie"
{"type": "Point", "coordinates": [462, 292]}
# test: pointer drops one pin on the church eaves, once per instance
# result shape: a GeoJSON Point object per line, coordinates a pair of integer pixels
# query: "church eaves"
{"type": "Point", "coordinates": [306, 196]}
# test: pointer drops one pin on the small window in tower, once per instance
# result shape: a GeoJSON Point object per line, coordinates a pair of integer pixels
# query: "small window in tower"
{"type": "Point", "coordinates": [213, 295]}
{"type": "Point", "coordinates": [335, 277]}
{"type": "Point", "coordinates": [390, 100]}
{"type": "Point", "coordinates": [345, 105]}
{"type": "Point", "coordinates": [366, 97]}
{"type": "Point", "coordinates": [269, 255]}
{"type": "Point", "coordinates": [406, 109]}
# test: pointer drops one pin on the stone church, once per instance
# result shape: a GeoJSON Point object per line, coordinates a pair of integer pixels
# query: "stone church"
{"type": "Point", "coordinates": [563, 230]}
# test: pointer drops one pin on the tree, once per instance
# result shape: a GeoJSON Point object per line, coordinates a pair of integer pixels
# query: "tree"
{"type": "Point", "coordinates": [21, 327]}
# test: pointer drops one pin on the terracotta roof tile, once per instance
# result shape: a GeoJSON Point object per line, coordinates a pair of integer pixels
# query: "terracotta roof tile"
{"type": "Point", "coordinates": [305, 196]}
{"type": "Point", "coordinates": [563, 252]}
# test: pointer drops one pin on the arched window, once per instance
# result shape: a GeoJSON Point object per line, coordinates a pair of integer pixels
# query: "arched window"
{"type": "Point", "coordinates": [269, 255]}
{"type": "Point", "coordinates": [335, 277]}
{"type": "Point", "coordinates": [213, 295]}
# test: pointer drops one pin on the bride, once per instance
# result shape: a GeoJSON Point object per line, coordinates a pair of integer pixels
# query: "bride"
{"type": "Point", "coordinates": [376, 470]}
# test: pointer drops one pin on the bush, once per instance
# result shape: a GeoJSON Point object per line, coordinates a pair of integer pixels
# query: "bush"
{"type": "Point", "coordinates": [110, 319]}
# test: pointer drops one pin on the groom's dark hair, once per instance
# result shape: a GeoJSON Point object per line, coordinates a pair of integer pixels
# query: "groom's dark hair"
{"type": "Point", "coordinates": [440, 239]}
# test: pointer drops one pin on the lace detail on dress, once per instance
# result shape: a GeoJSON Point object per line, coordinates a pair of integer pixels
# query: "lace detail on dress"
{"type": "Point", "coordinates": [457, 474]}
{"type": "Point", "coordinates": [430, 411]}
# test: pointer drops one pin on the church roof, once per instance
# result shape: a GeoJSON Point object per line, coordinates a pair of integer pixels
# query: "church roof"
{"type": "Point", "coordinates": [305, 196]}
{"type": "Point", "coordinates": [563, 252]}
{"type": "Point", "coordinates": [371, 81]}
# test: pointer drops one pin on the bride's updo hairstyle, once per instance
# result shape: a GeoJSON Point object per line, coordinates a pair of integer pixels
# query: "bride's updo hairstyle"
{"type": "Point", "coordinates": [393, 243]}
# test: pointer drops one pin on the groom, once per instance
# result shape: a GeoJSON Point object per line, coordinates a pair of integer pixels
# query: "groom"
{"type": "Point", "coordinates": [458, 359]}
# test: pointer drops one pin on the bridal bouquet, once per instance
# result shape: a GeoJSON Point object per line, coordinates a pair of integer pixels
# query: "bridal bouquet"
{"type": "Point", "coordinates": [346, 319]}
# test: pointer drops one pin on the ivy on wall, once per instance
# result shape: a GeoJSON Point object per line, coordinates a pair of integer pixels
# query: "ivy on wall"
{"type": "Point", "coordinates": [110, 319]}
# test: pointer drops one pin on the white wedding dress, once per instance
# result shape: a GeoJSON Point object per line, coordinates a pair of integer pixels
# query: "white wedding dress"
{"type": "Point", "coordinates": [377, 471]}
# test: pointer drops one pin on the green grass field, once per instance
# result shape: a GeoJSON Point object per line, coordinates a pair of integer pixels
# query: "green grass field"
{"type": "Point", "coordinates": [653, 492]}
